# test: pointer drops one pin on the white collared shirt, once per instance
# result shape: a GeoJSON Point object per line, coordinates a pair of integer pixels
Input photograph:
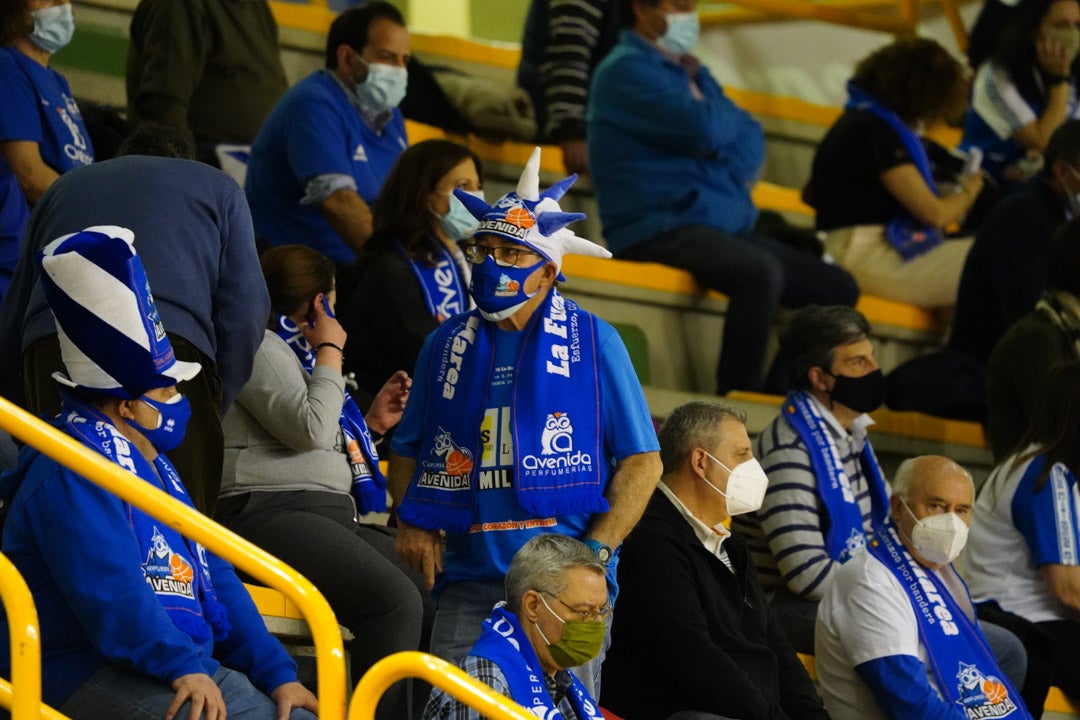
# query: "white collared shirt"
{"type": "Point", "coordinates": [711, 537]}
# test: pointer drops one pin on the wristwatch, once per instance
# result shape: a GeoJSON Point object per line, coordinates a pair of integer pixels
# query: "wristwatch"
{"type": "Point", "coordinates": [603, 552]}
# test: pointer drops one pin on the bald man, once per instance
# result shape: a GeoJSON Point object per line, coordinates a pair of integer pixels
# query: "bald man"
{"type": "Point", "coordinates": [896, 633]}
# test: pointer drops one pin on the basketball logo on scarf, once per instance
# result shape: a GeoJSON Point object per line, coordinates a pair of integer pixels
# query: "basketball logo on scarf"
{"type": "Point", "coordinates": [983, 697]}
{"type": "Point", "coordinates": [165, 571]}
{"type": "Point", "coordinates": [557, 456]}
{"type": "Point", "coordinates": [448, 466]}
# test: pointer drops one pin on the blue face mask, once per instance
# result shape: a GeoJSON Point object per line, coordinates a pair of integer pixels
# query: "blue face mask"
{"type": "Point", "coordinates": [53, 27]}
{"type": "Point", "coordinates": [458, 223]}
{"type": "Point", "coordinates": [384, 87]}
{"type": "Point", "coordinates": [173, 418]}
{"type": "Point", "coordinates": [499, 291]}
{"type": "Point", "coordinates": [682, 32]}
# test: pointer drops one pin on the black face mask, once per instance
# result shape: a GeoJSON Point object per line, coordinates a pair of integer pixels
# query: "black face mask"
{"type": "Point", "coordinates": [861, 394]}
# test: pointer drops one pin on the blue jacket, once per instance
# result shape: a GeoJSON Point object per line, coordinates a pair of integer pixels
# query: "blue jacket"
{"type": "Point", "coordinates": [661, 159]}
{"type": "Point", "coordinates": [72, 541]}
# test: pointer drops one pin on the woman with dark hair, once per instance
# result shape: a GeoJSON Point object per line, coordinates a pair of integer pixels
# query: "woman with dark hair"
{"type": "Point", "coordinates": [872, 183]}
{"type": "Point", "coordinates": [41, 130]}
{"type": "Point", "coordinates": [412, 275]}
{"type": "Point", "coordinates": [301, 467]}
{"type": "Point", "coordinates": [1022, 560]}
{"type": "Point", "coordinates": [1026, 90]}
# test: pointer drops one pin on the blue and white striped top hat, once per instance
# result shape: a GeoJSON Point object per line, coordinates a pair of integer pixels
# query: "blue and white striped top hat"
{"type": "Point", "coordinates": [111, 337]}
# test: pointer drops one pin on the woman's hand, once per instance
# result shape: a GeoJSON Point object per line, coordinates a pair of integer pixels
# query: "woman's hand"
{"type": "Point", "coordinates": [1054, 55]}
{"type": "Point", "coordinates": [388, 406]}
{"type": "Point", "coordinates": [321, 328]}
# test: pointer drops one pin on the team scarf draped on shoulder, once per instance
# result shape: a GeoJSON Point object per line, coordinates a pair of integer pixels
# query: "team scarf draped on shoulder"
{"type": "Point", "coordinates": [908, 236]}
{"type": "Point", "coordinates": [504, 643]}
{"type": "Point", "coordinates": [963, 666]}
{"type": "Point", "coordinates": [444, 293]}
{"type": "Point", "coordinates": [845, 535]}
{"type": "Point", "coordinates": [556, 419]}
{"type": "Point", "coordinates": [175, 568]}
{"type": "Point", "coordinates": [369, 484]}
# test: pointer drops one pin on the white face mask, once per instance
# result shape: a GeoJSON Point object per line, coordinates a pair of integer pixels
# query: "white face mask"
{"type": "Point", "coordinates": [746, 486]}
{"type": "Point", "coordinates": [938, 538]}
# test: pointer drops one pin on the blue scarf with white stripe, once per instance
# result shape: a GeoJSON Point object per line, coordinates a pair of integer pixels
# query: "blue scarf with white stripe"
{"type": "Point", "coordinates": [556, 420]}
{"type": "Point", "coordinates": [845, 535]}
{"type": "Point", "coordinates": [504, 643]}
{"type": "Point", "coordinates": [908, 236]}
{"type": "Point", "coordinates": [444, 293]}
{"type": "Point", "coordinates": [369, 484]}
{"type": "Point", "coordinates": [964, 668]}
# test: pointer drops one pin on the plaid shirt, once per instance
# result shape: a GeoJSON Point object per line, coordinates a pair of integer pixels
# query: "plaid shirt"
{"type": "Point", "coordinates": [444, 707]}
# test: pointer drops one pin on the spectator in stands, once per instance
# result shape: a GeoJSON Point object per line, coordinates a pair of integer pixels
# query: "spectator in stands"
{"type": "Point", "coordinates": [897, 622]}
{"type": "Point", "coordinates": [137, 621]}
{"type": "Point", "coordinates": [301, 466]}
{"type": "Point", "coordinates": [562, 44]}
{"type": "Point", "coordinates": [553, 582]}
{"type": "Point", "coordinates": [1005, 272]}
{"type": "Point", "coordinates": [526, 417]}
{"type": "Point", "coordinates": [871, 181]}
{"type": "Point", "coordinates": [1021, 561]}
{"type": "Point", "coordinates": [412, 273]}
{"type": "Point", "coordinates": [826, 490]}
{"type": "Point", "coordinates": [212, 298]}
{"type": "Point", "coordinates": [324, 151]}
{"type": "Point", "coordinates": [211, 70]}
{"type": "Point", "coordinates": [694, 634]}
{"type": "Point", "coordinates": [41, 129]}
{"type": "Point", "coordinates": [672, 160]}
{"type": "Point", "coordinates": [1048, 335]}
{"type": "Point", "coordinates": [1026, 90]}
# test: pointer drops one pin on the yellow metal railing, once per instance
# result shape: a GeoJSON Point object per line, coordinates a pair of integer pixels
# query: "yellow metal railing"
{"type": "Point", "coordinates": [438, 672]}
{"type": "Point", "coordinates": [256, 562]}
{"type": "Point", "coordinates": [25, 701]}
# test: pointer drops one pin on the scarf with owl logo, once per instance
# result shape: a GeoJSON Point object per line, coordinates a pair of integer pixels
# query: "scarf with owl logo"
{"type": "Point", "coordinates": [556, 419]}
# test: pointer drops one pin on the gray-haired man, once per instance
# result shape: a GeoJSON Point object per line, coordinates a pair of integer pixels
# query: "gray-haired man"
{"type": "Point", "coordinates": [553, 619]}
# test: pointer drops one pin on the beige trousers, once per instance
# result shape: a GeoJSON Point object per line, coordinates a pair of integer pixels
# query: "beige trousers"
{"type": "Point", "coordinates": [928, 281]}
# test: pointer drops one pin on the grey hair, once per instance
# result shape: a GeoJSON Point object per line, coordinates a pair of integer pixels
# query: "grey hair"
{"type": "Point", "coordinates": [811, 335]}
{"type": "Point", "coordinates": [689, 426]}
{"type": "Point", "coordinates": [542, 563]}
{"type": "Point", "coordinates": [901, 482]}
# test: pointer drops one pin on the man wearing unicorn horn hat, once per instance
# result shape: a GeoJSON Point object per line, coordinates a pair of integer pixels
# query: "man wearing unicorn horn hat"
{"type": "Point", "coordinates": [527, 418]}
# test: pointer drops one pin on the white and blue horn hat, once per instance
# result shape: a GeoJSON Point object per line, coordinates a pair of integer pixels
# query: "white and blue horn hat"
{"type": "Point", "coordinates": [533, 218]}
{"type": "Point", "coordinates": [111, 337]}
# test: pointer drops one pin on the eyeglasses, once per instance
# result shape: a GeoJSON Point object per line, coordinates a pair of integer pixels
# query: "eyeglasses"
{"type": "Point", "coordinates": [600, 615]}
{"type": "Point", "coordinates": [504, 255]}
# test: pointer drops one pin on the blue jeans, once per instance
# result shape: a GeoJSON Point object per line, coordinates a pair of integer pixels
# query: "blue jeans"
{"type": "Point", "coordinates": [460, 612]}
{"type": "Point", "coordinates": [118, 694]}
{"type": "Point", "coordinates": [758, 274]}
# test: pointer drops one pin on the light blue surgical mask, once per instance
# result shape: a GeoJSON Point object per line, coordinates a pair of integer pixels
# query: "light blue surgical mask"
{"type": "Point", "coordinates": [458, 223]}
{"type": "Point", "coordinates": [53, 27]}
{"type": "Point", "coordinates": [384, 87]}
{"type": "Point", "coordinates": [683, 29]}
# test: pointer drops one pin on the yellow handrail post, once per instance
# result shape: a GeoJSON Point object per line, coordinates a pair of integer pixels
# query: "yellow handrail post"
{"type": "Point", "coordinates": [25, 701]}
{"type": "Point", "coordinates": [439, 673]}
{"type": "Point", "coordinates": [258, 563]}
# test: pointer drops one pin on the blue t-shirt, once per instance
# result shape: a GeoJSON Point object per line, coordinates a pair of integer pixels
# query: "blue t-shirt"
{"type": "Point", "coordinates": [315, 130]}
{"type": "Point", "coordinates": [14, 214]}
{"type": "Point", "coordinates": [38, 106]}
{"type": "Point", "coordinates": [501, 526]}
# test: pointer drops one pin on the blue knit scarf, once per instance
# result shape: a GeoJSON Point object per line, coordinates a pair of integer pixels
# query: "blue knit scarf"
{"type": "Point", "coordinates": [369, 484]}
{"type": "Point", "coordinates": [908, 236]}
{"type": "Point", "coordinates": [963, 665]}
{"type": "Point", "coordinates": [504, 643]}
{"type": "Point", "coordinates": [175, 567]}
{"type": "Point", "coordinates": [845, 534]}
{"type": "Point", "coordinates": [555, 419]}
{"type": "Point", "coordinates": [444, 294]}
